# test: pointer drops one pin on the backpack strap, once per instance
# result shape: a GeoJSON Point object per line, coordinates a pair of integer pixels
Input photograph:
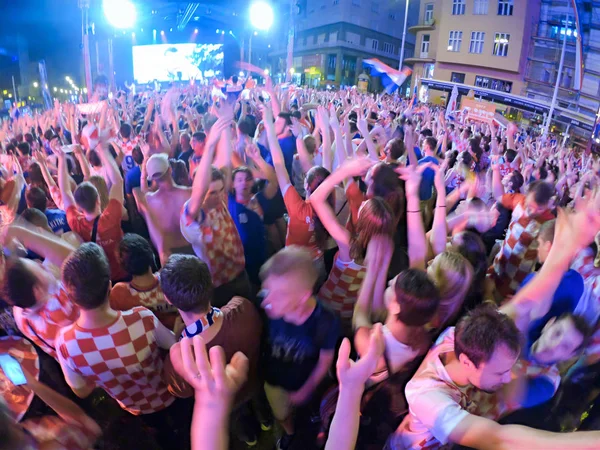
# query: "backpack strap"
{"type": "Point", "coordinates": [95, 229]}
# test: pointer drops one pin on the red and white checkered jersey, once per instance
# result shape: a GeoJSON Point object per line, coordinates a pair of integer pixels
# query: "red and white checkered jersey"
{"type": "Point", "coordinates": [123, 358]}
{"type": "Point", "coordinates": [216, 241]}
{"type": "Point", "coordinates": [518, 253]}
{"type": "Point", "coordinates": [340, 291]}
{"type": "Point", "coordinates": [41, 325]}
{"type": "Point", "coordinates": [53, 429]}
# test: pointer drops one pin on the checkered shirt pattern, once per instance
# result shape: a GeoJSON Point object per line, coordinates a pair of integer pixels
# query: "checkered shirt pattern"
{"type": "Point", "coordinates": [340, 291]}
{"type": "Point", "coordinates": [124, 359]}
{"type": "Point", "coordinates": [42, 326]}
{"type": "Point", "coordinates": [216, 241]}
{"type": "Point", "coordinates": [518, 253]}
{"type": "Point", "coordinates": [53, 428]}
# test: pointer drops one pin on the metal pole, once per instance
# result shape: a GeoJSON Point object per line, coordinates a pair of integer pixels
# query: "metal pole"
{"type": "Point", "coordinates": [250, 48]}
{"type": "Point", "coordinates": [15, 89]}
{"type": "Point", "coordinates": [558, 78]}
{"type": "Point", "coordinates": [403, 36]}
{"type": "Point", "coordinates": [290, 49]}
{"type": "Point", "coordinates": [85, 5]}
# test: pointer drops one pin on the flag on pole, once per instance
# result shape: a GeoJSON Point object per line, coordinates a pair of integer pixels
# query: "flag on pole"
{"type": "Point", "coordinates": [391, 78]}
{"type": "Point", "coordinates": [451, 107]}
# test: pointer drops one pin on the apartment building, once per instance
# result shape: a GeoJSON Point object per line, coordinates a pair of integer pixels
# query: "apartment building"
{"type": "Point", "coordinates": [480, 43]}
{"type": "Point", "coordinates": [577, 94]}
{"type": "Point", "coordinates": [333, 37]}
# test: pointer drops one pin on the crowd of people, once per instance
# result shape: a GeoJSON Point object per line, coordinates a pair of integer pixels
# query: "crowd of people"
{"type": "Point", "coordinates": [222, 264]}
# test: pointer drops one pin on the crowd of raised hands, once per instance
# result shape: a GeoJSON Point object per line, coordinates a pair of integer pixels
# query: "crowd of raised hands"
{"type": "Point", "coordinates": [255, 233]}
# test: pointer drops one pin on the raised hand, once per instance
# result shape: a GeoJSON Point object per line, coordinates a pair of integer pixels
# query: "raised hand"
{"type": "Point", "coordinates": [412, 177]}
{"type": "Point", "coordinates": [252, 152]}
{"type": "Point", "coordinates": [357, 167]}
{"type": "Point", "coordinates": [214, 381]}
{"type": "Point", "coordinates": [355, 374]}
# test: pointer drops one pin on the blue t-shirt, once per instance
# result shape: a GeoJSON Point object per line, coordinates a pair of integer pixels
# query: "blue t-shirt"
{"type": "Point", "coordinates": [57, 220]}
{"type": "Point", "coordinates": [293, 350]}
{"type": "Point", "coordinates": [132, 179]}
{"type": "Point", "coordinates": [252, 233]}
{"type": "Point", "coordinates": [288, 148]}
{"type": "Point", "coordinates": [565, 300]}
{"type": "Point", "coordinates": [427, 180]}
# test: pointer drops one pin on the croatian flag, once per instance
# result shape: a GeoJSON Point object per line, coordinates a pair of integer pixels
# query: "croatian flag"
{"type": "Point", "coordinates": [391, 78]}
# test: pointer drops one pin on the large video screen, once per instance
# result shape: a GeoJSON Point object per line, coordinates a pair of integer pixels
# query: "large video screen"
{"type": "Point", "coordinates": [176, 62]}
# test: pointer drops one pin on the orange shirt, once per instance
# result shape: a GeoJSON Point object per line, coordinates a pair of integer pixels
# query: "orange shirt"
{"type": "Point", "coordinates": [355, 199]}
{"type": "Point", "coordinates": [126, 295]}
{"type": "Point", "coordinates": [301, 227]}
{"type": "Point", "coordinates": [108, 236]}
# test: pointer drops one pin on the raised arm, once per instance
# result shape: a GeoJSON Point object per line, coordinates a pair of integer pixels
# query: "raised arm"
{"type": "Point", "coordinates": [278, 161]}
{"type": "Point", "coordinates": [351, 168]}
{"type": "Point", "coordinates": [64, 182]}
{"type": "Point", "coordinates": [364, 130]}
{"type": "Point", "coordinates": [352, 377]}
{"type": "Point", "coordinates": [439, 229]}
{"type": "Point", "coordinates": [49, 246]}
{"type": "Point", "coordinates": [337, 133]}
{"type": "Point", "coordinates": [370, 297]}
{"type": "Point", "coordinates": [203, 172]}
{"type": "Point", "coordinates": [266, 171]}
{"type": "Point", "coordinates": [112, 170]}
{"type": "Point", "coordinates": [83, 163]}
{"type": "Point", "coordinates": [497, 188]}
{"type": "Point", "coordinates": [417, 242]}
{"type": "Point", "coordinates": [484, 434]}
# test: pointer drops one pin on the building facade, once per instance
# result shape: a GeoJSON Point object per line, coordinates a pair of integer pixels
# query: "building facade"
{"type": "Point", "coordinates": [481, 43]}
{"type": "Point", "coordinates": [581, 96]}
{"type": "Point", "coordinates": [333, 37]}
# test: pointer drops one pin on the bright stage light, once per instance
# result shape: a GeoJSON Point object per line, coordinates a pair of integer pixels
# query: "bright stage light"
{"type": "Point", "coordinates": [55, 89]}
{"type": "Point", "coordinates": [35, 84]}
{"type": "Point", "coordinates": [261, 15]}
{"type": "Point", "coordinates": [196, 30]}
{"type": "Point", "coordinates": [162, 32]}
{"type": "Point", "coordinates": [267, 72]}
{"type": "Point", "coordinates": [120, 14]}
{"type": "Point", "coordinates": [241, 74]}
{"type": "Point", "coordinates": [218, 31]}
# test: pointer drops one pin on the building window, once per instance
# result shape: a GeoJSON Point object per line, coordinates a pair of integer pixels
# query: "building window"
{"type": "Point", "coordinates": [494, 84]}
{"type": "Point", "coordinates": [425, 46]}
{"type": "Point", "coordinates": [321, 39]}
{"type": "Point", "coordinates": [429, 13]}
{"type": "Point", "coordinates": [458, 7]}
{"type": "Point", "coordinates": [374, 44]}
{"type": "Point", "coordinates": [428, 70]}
{"type": "Point", "coordinates": [501, 44]}
{"type": "Point", "coordinates": [457, 77]}
{"type": "Point", "coordinates": [375, 7]}
{"type": "Point", "coordinates": [505, 7]}
{"type": "Point", "coordinates": [477, 38]}
{"type": "Point", "coordinates": [333, 37]}
{"type": "Point", "coordinates": [480, 7]}
{"type": "Point", "coordinates": [388, 48]}
{"type": "Point", "coordinates": [352, 38]}
{"type": "Point", "coordinates": [454, 41]}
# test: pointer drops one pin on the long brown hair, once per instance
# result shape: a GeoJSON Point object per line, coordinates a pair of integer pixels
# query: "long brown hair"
{"type": "Point", "coordinates": [374, 217]}
{"type": "Point", "coordinates": [315, 176]}
{"type": "Point", "coordinates": [388, 186]}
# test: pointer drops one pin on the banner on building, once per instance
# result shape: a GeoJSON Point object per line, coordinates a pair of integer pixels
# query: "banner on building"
{"type": "Point", "coordinates": [478, 110]}
{"type": "Point", "coordinates": [44, 85]}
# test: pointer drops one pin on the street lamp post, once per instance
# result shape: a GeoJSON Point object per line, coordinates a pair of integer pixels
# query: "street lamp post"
{"type": "Point", "coordinates": [403, 36]}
